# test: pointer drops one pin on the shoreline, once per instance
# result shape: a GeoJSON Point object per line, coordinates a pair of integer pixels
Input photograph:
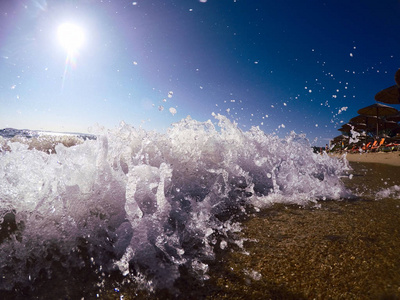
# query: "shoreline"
{"type": "Point", "coordinates": [388, 158]}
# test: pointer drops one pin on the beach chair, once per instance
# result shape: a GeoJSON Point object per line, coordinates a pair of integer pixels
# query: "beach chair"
{"type": "Point", "coordinates": [366, 147]}
{"type": "Point", "coordinates": [392, 146]}
{"type": "Point", "coordinates": [374, 145]}
{"type": "Point", "coordinates": [356, 149]}
{"type": "Point", "coordinates": [377, 146]}
{"type": "Point", "coordinates": [353, 150]}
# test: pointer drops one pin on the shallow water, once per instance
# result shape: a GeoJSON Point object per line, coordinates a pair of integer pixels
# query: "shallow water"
{"type": "Point", "coordinates": [343, 250]}
{"type": "Point", "coordinates": [141, 213]}
{"type": "Point", "coordinates": [373, 181]}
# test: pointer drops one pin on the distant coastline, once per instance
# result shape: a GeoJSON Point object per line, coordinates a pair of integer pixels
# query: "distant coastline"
{"type": "Point", "coordinates": [41, 140]}
{"type": "Point", "coordinates": [28, 133]}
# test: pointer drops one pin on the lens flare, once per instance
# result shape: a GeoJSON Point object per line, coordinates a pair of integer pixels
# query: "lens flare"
{"type": "Point", "coordinates": [71, 37]}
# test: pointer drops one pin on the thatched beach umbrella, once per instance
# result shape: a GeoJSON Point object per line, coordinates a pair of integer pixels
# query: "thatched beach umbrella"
{"type": "Point", "coordinates": [345, 128]}
{"type": "Point", "coordinates": [364, 119]}
{"type": "Point", "coordinates": [385, 125]}
{"type": "Point", "coordinates": [378, 110]}
{"type": "Point", "coordinates": [352, 127]}
{"type": "Point", "coordinates": [390, 95]}
{"type": "Point", "coordinates": [358, 126]}
{"type": "Point", "coordinates": [385, 128]}
{"type": "Point", "coordinates": [395, 118]}
{"type": "Point", "coordinates": [339, 138]}
{"type": "Point", "coordinates": [367, 120]}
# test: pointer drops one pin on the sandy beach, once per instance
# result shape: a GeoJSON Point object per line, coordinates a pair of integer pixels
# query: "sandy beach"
{"type": "Point", "coordinates": [388, 158]}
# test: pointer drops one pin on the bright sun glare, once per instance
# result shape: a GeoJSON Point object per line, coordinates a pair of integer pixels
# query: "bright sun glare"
{"type": "Point", "coordinates": [71, 36]}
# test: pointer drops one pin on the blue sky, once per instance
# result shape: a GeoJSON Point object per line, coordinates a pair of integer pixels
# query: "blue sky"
{"type": "Point", "coordinates": [303, 66]}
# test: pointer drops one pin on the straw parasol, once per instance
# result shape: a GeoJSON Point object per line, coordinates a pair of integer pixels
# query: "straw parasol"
{"type": "Point", "coordinates": [390, 124]}
{"type": "Point", "coordinates": [364, 119]}
{"type": "Point", "coordinates": [390, 95]}
{"type": "Point", "coordinates": [378, 110]}
{"type": "Point", "coordinates": [359, 127]}
{"type": "Point", "coordinates": [345, 128]}
{"type": "Point", "coordinates": [395, 118]}
{"type": "Point", "coordinates": [340, 138]}
{"type": "Point", "coordinates": [385, 125]}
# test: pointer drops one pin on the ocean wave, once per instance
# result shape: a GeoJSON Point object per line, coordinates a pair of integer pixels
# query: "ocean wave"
{"type": "Point", "coordinates": [148, 204]}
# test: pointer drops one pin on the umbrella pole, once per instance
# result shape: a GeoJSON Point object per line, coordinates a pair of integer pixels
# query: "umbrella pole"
{"type": "Point", "coordinates": [377, 121]}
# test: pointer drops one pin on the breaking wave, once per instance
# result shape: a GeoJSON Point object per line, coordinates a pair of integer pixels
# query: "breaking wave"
{"type": "Point", "coordinates": [147, 204]}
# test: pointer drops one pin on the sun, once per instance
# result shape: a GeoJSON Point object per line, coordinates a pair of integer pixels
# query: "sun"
{"type": "Point", "coordinates": [71, 36]}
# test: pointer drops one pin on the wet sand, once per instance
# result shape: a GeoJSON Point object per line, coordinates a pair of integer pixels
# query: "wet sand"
{"type": "Point", "coordinates": [347, 249]}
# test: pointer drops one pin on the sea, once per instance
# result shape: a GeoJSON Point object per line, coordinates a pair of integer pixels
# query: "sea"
{"type": "Point", "coordinates": [84, 215]}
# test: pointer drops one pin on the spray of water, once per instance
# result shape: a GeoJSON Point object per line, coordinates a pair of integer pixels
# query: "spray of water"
{"type": "Point", "coordinates": [149, 204]}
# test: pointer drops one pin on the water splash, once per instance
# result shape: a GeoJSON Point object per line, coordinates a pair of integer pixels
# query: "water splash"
{"type": "Point", "coordinates": [149, 204]}
{"type": "Point", "coordinates": [393, 192]}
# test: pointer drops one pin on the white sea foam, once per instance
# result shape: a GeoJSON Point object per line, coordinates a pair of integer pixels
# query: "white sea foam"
{"type": "Point", "coordinates": [393, 192]}
{"type": "Point", "coordinates": [148, 203]}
